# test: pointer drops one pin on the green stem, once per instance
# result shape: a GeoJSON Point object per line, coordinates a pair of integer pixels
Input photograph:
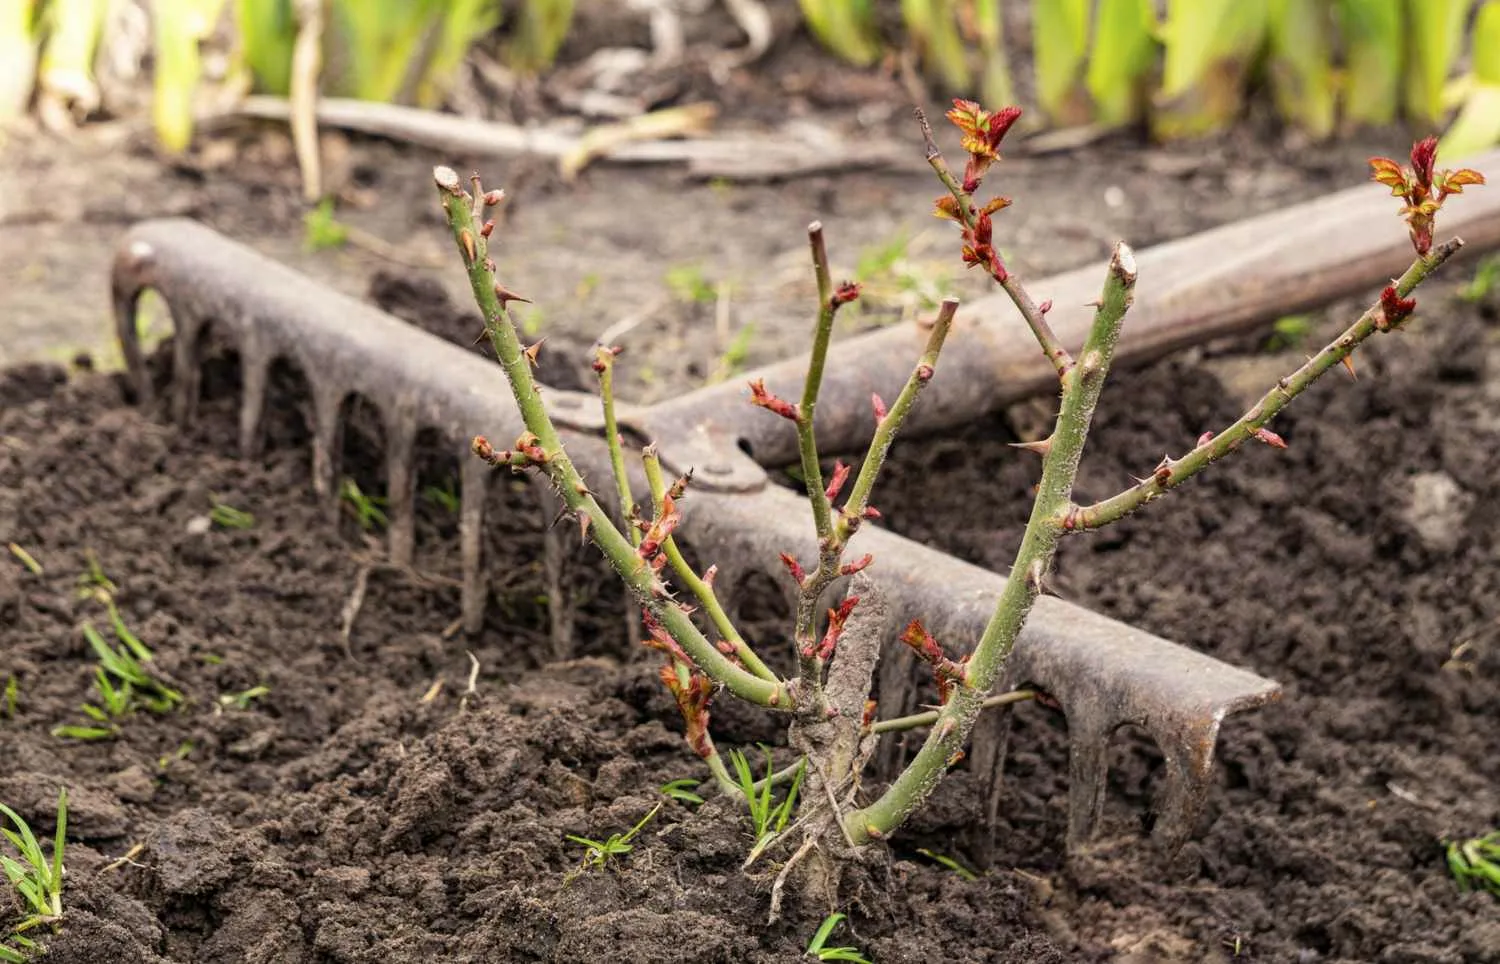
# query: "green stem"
{"type": "Point", "coordinates": [604, 364]}
{"type": "Point", "coordinates": [807, 445]}
{"type": "Point", "coordinates": [1173, 472]}
{"type": "Point", "coordinates": [462, 211]}
{"type": "Point", "coordinates": [917, 720]}
{"type": "Point", "coordinates": [890, 425]}
{"type": "Point", "coordinates": [1082, 384]}
{"type": "Point", "coordinates": [699, 587]}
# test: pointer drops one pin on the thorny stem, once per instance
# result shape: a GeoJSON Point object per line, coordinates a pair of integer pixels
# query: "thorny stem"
{"type": "Point", "coordinates": [463, 213]}
{"type": "Point", "coordinates": [810, 588]}
{"type": "Point", "coordinates": [890, 425]}
{"type": "Point", "coordinates": [1036, 320]}
{"type": "Point", "coordinates": [1082, 384]}
{"type": "Point", "coordinates": [604, 364]}
{"type": "Point", "coordinates": [930, 717]}
{"type": "Point", "coordinates": [807, 444]}
{"type": "Point", "coordinates": [1173, 472]}
{"type": "Point", "coordinates": [700, 587]}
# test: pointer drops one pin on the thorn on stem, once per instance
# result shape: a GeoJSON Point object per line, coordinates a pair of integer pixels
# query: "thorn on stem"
{"type": "Point", "coordinates": [1040, 446]}
{"type": "Point", "coordinates": [506, 296]}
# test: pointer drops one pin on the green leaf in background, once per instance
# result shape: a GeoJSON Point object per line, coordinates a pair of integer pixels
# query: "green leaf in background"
{"type": "Point", "coordinates": [1302, 80]}
{"type": "Point", "coordinates": [1059, 47]}
{"type": "Point", "coordinates": [1477, 125]}
{"type": "Point", "coordinates": [1210, 47]}
{"type": "Point", "coordinates": [1121, 59]}
{"type": "Point", "coordinates": [1434, 31]}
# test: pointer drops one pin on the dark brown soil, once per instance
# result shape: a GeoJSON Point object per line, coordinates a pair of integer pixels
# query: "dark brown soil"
{"type": "Point", "coordinates": [370, 808]}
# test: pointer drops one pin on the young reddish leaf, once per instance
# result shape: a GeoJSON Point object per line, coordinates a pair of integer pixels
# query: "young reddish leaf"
{"type": "Point", "coordinates": [878, 404]}
{"type": "Point", "coordinates": [858, 565]}
{"type": "Point", "coordinates": [946, 207]}
{"type": "Point", "coordinates": [1423, 156]}
{"type": "Point", "coordinates": [794, 567]}
{"type": "Point", "coordinates": [836, 619]}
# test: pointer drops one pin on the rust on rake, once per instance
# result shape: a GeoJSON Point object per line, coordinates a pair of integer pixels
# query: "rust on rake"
{"type": "Point", "coordinates": [1103, 673]}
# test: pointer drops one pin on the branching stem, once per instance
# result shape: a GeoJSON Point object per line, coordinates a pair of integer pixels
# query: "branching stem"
{"type": "Point", "coordinates": [1173, 472]}
{"type": "Point", "coordinates": [1082, 384]}
{"type": "Point", "coordinates": [697, 585]}
{"type": "Point", "coordinates": [463, 213]}
{"type": "Point", "coordinates": [890, 425]}
{"type": "Point", "coordinates": [1036, 319]}
{"type": "Point", "coordinates": [604, 364]}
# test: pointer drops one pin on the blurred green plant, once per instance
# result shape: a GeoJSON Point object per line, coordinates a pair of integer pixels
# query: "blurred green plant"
{"type": "Point", "coordinates": [846, 27]}
{"type": "Point", "coordinates": [1060, 46]}
{"type": "Point", "coordinates": [1477, 125]}
{"type": "Point", "coordinates": [1330, 64]}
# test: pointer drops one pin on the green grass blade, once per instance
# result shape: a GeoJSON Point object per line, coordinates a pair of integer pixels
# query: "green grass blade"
{"type": "Point", "coordinates": [825, 931]}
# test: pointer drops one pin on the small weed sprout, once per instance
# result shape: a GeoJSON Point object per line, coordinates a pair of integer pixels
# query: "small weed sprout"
{"type": "Point", "coordinates": [443, 496]}
{"type": "Point", "coordinates": [321, 230]}
{"type": "Point", "coordinates": [1486, 277]}
{"type": "Point", "coordinates": [599, 852]}
{"type": "Point", "coordinates": [368, 510]}
{"type": "Point", "coordinates": [948, 863]}
{"type": "Point", "coordinates": [27, 559]}
{"type": "Point", "coordinates": [242, 700]}
{"type": "Point", "coordinates": [688, 283]}
{"type": "Point", "coordinates": [818, 948]}
{"type": "Point", "coordinates": [1475, 863]}
{"type": "Point", "coordinates": [767, 817]}
{"type": "Point", "coordinates": [36, 880]}
{"type": "Point", "coordinates": [12, 699]}
{"type": "Point", "coordinates": [682, 790]}
{"type": "Point", "coordinates": [93, 583]}
{"type": "Point", "coordinates": [1291, 331]}
{"type": "Point", "coordinates": [226, 516]}
{"type": "Point", "coordinates": [123, 684]}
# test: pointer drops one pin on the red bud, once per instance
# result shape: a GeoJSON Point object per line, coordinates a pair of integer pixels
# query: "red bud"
{"type": "Point", "coordinates": [858, 565]}
{"type": "Point", "coordinates": [794, 567]}
{"type": "Point", "coordinates": [878, 404]}
{"type": "Point", "coordinates": [836, 482]}
{"type": "Point", "coordinates": [1270, 438]}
